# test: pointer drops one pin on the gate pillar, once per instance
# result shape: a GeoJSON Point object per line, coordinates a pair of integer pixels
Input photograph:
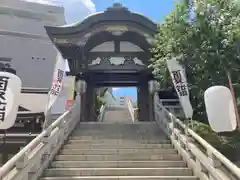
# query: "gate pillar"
{"type": "Point", "coordinates": [143, 100]}
{"type": "Point", "coordinates": [89, 102]}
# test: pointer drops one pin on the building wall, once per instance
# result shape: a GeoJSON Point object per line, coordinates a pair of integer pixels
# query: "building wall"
{"type": "Point", "coordinates": [24, 42]}
{"type": "Point", "coordinates": [116, 101]}
{"type": "Point", "coordinates": [27, 17]}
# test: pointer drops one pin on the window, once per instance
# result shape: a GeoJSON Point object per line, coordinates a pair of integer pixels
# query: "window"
{"type": "Point", "coordinates": [5, 62]}
{"type": "Point", "coordinates": [5, 65]}
{"type": "Point", "coordinates": [39, 58]}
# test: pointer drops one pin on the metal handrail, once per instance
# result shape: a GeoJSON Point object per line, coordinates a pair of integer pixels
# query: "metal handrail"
{"type": "Point", "coordinates": [171, 124]}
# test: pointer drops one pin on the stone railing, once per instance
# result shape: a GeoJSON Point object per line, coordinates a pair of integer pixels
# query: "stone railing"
{"type": "Point", "coordinates": [116, 106]}
{"type": "Point", "coordinates": [174, 109]}
{"type": "Point", "coordinates": [101, 113]}
{"type": "Point", "coordinates": [207, 163]}
{"type": "Point", "coordinates": [34, 158]}
{"type": "Point", "coordinates": [132, 110]}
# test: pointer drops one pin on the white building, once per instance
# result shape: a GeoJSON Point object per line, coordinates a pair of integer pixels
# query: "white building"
{"type": "Point", "coordinates": [115, 101]}
{"type": "Point", "coordinates": [25, 46]}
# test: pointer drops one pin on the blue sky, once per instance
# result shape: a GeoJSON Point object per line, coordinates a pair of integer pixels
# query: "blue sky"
{"type": "Point", "coordinates": [77, 10]}
{"type": "Point", "coordinates": [154, 9]}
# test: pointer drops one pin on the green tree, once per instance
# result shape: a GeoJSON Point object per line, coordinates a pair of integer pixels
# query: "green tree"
{"type": "Point", "coordinates": [99, 101]}
{"type": "Point", "coordinates": [206, 34]}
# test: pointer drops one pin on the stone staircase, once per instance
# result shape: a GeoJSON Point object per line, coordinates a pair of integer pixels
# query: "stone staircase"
{"type": "Point", "coordinates": [117, 115]}
{"type": "Point", "coordinates": [100, 151]}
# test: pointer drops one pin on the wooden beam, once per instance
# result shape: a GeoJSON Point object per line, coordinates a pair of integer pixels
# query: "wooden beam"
{"type": "Point", "coordinates": [117, 45]}
{"type": "Point", "coordinates": [116, 54]}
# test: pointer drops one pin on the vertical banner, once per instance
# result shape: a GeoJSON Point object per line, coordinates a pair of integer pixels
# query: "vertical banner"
{"type": "Point", "coordinates": [179, 79]}
{"type": "Point", "coordinates": [59, 106]}
{"type": "Point", "coordinates": [70, 81]}
{"type": "Point", "coordinates": [10, 92]}
{"type": "Point", "coordinates": [57, 81]}
{"type": "Point", "coordinates": [57, 84]}
{"type": "Point", "coordinates": [234, 98]}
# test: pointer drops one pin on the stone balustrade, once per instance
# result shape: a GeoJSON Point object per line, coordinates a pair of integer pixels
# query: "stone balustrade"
{"type": "Point", "coordinates": [101, 114]}
{"type": "Point", "coordinates": [205, 160]}
{"type": "Point", "coordinates": [33, 159]}
{"type": "Point", "coordinates": [133, 111]}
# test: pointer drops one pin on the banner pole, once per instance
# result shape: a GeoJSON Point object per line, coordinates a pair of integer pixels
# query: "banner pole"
{"type": "Point", "coordinates": [46, 112]}
{"type": "Point", "coordinates": [234, 99]}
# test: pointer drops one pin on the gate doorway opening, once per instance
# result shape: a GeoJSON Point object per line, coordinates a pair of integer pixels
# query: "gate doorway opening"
{"type": "Point", "coordinates": [119, 96]}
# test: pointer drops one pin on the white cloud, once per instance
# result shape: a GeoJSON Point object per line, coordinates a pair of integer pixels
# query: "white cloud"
{"type": "Point", "coordinates": [115, 89]}
{"type": "Point", "coordinates": [75, 10]}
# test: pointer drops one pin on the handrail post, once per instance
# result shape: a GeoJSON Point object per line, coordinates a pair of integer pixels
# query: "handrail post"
{"type": "Point", "coordinates": [213, 159]}
{"type": "Point", "coordinates": [21, 164]}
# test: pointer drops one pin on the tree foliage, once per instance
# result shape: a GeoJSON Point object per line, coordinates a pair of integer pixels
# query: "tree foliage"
{"type": "Point", "coordinates": [206, 34]}
{"type": "Point", "coordinates": [99, 101]}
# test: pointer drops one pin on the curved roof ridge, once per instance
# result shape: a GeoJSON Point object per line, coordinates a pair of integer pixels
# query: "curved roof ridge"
{"type": "Point", "coordinates": [84, 19]}
{"type": "Point", "coordinates": [116, 13]}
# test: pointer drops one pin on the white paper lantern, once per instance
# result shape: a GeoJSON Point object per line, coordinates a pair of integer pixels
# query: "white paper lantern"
{"type": "Point", "coordinates": [78, 86]}
{"type": "Point", "coordinates": [10, 91]}
{"type": "Point", "coordinates": [154, 86]}
{"type": "Point", "coordinates": [220, 109]}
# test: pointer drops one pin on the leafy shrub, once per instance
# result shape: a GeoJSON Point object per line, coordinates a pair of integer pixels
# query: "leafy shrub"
{"type": "Point", "coordinates": [205, 132]}
{"type": "Point", "coordinates": [231, 146]}
{"type": "Point", "coordinates": [228, 144]}
{"type": "Point", "coordinates": [99, 101]}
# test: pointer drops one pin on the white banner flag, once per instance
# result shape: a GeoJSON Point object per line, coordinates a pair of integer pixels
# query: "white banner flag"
{"type": "Point", "coordinates": [180, 82]}
{"type": "Point", "coordinates": [57, 82]}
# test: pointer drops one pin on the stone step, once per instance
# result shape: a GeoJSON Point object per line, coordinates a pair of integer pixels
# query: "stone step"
{"type": "Point", "coordinates": [118, 172]}
{"type": "Point", "coordinates": [126, 137]}
{"type": "Point", "coordinates": [119, 141]}
{"type": "Point", "coordinates": [126, 128]}
{"type": "Point", "coordinates": [122, 178]}
{"type": "Point", "coordinates": [117, 146]}
{"type": "Point", "coordinates": [116, 164]}
{"type": "Point", "coordinates": [118, 127]}
{"type": "Point", "coordinates": [130, 125]}
{"type": "Point", "coordinates": [101, 151]}
{"type": "Point", "coordinates": [116, 151]}
{"type": "Point", "coordinates": [120, 157]}
{"type": "Point", "coordinates": [119, 132]}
